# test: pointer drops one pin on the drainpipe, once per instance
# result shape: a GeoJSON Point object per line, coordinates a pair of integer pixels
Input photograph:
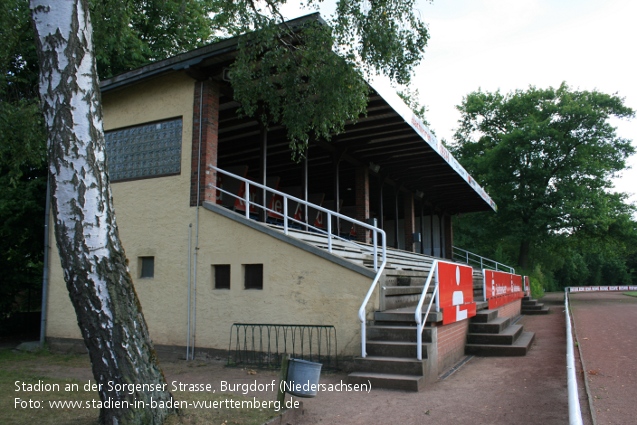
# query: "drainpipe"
{"type": "Point", "coordinates": [194, 302]}
{"type": "Point", "coordinates": [189, 287]}
{"type": "Point", "coordinates": [45, 271]}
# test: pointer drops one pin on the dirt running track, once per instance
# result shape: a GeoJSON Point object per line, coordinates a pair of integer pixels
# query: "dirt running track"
{"type": "Point", "coordinates": [606, 330]}
{"type": "Point", "coordinates": [487, 390]}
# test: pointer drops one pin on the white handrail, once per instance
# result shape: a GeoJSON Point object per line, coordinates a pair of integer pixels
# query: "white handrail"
{"type": "Point", "coordinates": [574, 411]}
{"type": "Point", "coordinates": [286, 219]}
{"type": "Point", "coordinates": [375, 233]}
{"type": "Point", "coordinates": [370, 291]}
{"type": "Point", "coordinates": [420, 323]}
{"type": "Point", "coordinates": [468, 257]}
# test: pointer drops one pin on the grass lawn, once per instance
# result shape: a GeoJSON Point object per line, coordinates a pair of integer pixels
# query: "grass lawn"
{"type": "Point", "coordinates": [631, 294]}
{"type": "Point", "coordinates": [57, 377]}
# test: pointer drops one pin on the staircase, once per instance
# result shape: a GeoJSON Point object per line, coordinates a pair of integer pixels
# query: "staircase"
{"type": "Point", "coordinates": [391, 353]}
{"type": "Point", "coordinates": [532, 307]}
{"type": "Point", "coordinates": [490, 335]}
{"type": "Point", "coordinates": [391, 360]}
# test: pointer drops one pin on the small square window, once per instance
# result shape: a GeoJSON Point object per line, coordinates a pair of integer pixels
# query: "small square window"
{"type": "Point", "coordinates": [147, 267]}
{"type": "Point", "coordinates": [253, 276]}
{"type": "Point", "coordinates": [221, 276]}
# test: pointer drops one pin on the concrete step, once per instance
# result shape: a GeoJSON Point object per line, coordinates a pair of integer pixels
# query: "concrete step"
{"type": "Point", "coordinates": [535, 306]}
{"type": "Point", "coordinates": [494, 326]}
{"type": "Point", "coordinates": [484, 316]}
{"type": "Point", "coordinates": [396, 333]}
{"type": "Point", "coordinates": [529, 302]}
{"type": "Point", "coordinates": [543, 310]}
{"type": "Point", "coordinates": [388, 381]}
{"type": "Point", "coordinates": [394, 297]}
{"type": "Point", "coordinates": [405, 290]}
{"type": "Point", "coordinates": [506, 337]}
{"type": "Point", "coordinates": [393, 365]}
{"type": "Point", "coordinates": [481, 305]}
{"type": "Point", "coordinates": [405, 315]}
{"type": "Point", "coordinates": [395, 349]}
{"type": "Point", "coordinates": [519, 348]}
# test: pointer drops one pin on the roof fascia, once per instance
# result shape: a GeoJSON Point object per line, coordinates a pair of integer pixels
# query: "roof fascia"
{"type": "Point", "coordinates": [398, 105]}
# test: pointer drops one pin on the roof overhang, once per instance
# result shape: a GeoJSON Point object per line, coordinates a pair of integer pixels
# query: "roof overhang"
{"type": "Point", "coordinates": [390, 139]}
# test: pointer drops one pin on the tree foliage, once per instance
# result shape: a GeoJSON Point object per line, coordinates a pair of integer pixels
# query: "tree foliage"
{"type": "Point", "coordinates": [22, 162]}
{"type": "Point", "coordinates": [546, 156]}
{"type": "Point", "coordinates": [132, 33]}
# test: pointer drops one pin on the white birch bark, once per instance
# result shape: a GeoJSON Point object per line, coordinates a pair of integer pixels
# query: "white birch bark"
{"type": "Point", "coordinates": [95, 266]}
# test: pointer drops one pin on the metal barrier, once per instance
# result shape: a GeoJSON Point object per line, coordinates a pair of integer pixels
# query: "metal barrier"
{"type": "Point", "coordinates": [472, 259]}
{"type": "Point", "coordinates": [362, 310]}
{"type": "Point", "coordinates": [574, 411]}
{"type": "Point", "coordinates": [263, 345]}
{"type": "Point", "coordinates": [375, 231]}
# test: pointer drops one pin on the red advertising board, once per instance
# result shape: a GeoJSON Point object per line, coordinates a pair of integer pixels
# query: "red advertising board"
{"type": "Point", "coordinates": [455, 297]}
{"type": "Point", "coordinates": [501, 288]}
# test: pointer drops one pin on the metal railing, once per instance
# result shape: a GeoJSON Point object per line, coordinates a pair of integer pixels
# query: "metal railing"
{"type": "Point", "coordinates": [574, 411]}
{"type": "Point", "coordinates": [420, 320]}
{"type": "Point", "coordinates": [264, 345]}
{"type": "Point", "coordinates": [375, 248]}
{"type": "Point", "coordinates": [472, 259]}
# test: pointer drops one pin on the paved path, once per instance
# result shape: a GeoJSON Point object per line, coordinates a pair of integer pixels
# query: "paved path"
{"type": "Point", "coordinates": [486, 390]}
{"type": "Point", "coordinates": [606, 330]}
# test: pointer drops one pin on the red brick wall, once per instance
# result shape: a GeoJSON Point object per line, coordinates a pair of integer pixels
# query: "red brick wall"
{"type": "Point", "coordinates": [205, 119]}
{"type": "Point", "coordinates": [510, 310]}
{"type": "Point", "coordinates": [451, 341]}
{"type": "Point", "coordinates": [452, 338]}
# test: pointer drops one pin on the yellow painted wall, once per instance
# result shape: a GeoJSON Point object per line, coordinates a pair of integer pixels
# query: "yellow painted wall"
{"type": "Point", "coordinates": [154, 219]}
{"type": "Point", "coordinates": [299, 287]}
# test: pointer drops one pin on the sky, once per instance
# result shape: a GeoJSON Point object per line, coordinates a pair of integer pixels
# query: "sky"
{"type": "Point", "coordinates": [508, 45]}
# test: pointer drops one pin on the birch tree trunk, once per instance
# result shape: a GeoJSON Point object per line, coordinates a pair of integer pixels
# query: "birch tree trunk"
{"type": "Point", "coordinates": [95, 266]}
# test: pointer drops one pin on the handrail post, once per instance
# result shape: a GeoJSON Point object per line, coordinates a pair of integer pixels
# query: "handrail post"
{"type": "Point", "coordinates": [419, 327]}
{"type": "Point", "coordinates": [329, 232]}
{"type": "Point", "coordinates": [285, 215]}
{"type": "Point", "coordinates": [375, 240]}
{"type": "Point", "coordinates": [247, 199]}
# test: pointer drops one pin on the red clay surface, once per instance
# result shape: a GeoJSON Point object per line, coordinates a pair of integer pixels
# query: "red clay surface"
{"type": "Point", "coordinates": [486, 390]}
{"type": "Point", "coordinates": [606, 330]}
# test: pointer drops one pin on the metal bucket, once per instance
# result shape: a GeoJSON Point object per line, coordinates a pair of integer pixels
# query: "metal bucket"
{"type": "Point", "coordinates": [303, 378]}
